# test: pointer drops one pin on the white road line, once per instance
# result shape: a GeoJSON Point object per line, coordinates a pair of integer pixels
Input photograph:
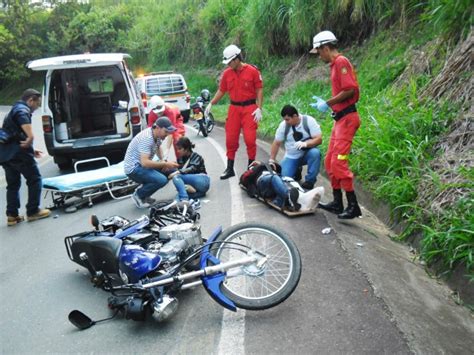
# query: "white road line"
{"type": "Point", "coordinates": [233, 323]}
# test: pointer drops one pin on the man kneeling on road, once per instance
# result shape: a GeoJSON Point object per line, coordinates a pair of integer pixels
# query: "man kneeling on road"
{"type": "Point", "coordinates": [140, 166]}
{"type": "Point", "coordinates": [301, 135]}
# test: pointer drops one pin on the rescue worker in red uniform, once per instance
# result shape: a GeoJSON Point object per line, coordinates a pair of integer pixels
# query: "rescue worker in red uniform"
{"type": "Point", "coordinates": [160, 108]}
{"type": "Point", "coordinates": [345, 94]}
{"type": "Point", "coordinates": [244, 84]}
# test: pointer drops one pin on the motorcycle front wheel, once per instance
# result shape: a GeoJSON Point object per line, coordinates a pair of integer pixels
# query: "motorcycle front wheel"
{"type": "Point", "coordinates": [210, 123]}
{"type": "Point", "coordinates": [258, 287]}
{"type": "Point", "coordinates": [202, 127]}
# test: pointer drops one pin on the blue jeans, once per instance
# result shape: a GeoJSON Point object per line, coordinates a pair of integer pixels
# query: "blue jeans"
{"type": "Point", "coordinates": [200, 182]}
{"type": "Point", "coordinates": [25, 165]}
{"type": "Point", "coordinates": [151, 180]}
{"type": "Point", "coordinates": [312, 158]}
{"type": "Point", "coordinates": [275, 185]}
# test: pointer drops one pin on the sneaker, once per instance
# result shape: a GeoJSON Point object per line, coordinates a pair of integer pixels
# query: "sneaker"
{"type": "Point", "coordinates": [11, 221]}
{"type": "Point", "coordinates": [307, 185]}
{"type": "Point", "coordinates": [139, 202]}
{"type": "Point", "coordinates": [183, 203]}
{"type": "Point", "coordinates": [310, 199]}
{"type": "Point", "coordinates": [190, 189]}
{"type": "Point", "coordinates": [42, 213]}
{"type": "Point", "coordinates": [195, 204]}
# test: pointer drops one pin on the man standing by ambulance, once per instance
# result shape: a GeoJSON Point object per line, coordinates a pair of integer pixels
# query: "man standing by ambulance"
{"type": "Point", "coordinates": [345, 94]}
{"type": "Point", "coordinates": [244, 84]}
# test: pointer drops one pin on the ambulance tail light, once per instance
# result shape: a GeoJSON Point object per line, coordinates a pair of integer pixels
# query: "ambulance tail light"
{"type": "Point", "coordinates": [47, 127]}
{"type": "Point", "coordinates": [135, 115]}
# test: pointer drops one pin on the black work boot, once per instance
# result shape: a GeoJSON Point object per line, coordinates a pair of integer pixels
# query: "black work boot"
{"type": "Point", "coordinates": [353, 209]}
{"type": "Point", "coordinates": [229, 171]}
{"type": "Point", "coordinates": [250, 162]}
{"type": "Point", "coordinates": [335, 206]}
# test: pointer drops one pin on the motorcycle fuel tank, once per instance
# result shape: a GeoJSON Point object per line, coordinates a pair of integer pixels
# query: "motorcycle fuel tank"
{"type": "Point", "coordinates": [136, 262]}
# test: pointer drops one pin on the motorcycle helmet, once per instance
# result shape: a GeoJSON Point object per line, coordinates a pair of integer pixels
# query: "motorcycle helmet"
{"type": "Point", "coordinates": [206, 95]}
{"type": "Point", "coordinates": [157, 104]}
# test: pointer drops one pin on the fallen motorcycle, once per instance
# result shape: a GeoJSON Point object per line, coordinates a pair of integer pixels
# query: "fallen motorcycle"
{"type": "Point", "coordinates": [146, 262]}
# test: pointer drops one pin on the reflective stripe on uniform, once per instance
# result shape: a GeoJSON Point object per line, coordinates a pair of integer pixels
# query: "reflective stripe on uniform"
{"type": "Point", "coordinates": [342, 157]}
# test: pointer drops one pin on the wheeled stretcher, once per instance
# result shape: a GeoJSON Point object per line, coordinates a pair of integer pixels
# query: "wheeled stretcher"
{"type": "Point", "coordinates": [72, 191]}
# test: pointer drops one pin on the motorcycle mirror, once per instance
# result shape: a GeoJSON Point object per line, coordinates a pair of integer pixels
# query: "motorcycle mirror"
{"type": "Point", "coordinates": [95, 221]}
{"type": "Point", "coordinates": [80, 320]}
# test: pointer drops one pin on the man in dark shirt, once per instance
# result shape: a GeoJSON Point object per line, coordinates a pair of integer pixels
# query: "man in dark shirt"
{"type": "Point", "coordinates": [18, 124]}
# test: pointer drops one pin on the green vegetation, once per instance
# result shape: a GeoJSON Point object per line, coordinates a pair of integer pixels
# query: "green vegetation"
{"type": "Point", "coordinates": [399, 48]}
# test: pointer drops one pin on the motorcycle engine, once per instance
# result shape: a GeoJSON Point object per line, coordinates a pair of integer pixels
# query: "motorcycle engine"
{"type": "Point", "coordinates": [180, 240]}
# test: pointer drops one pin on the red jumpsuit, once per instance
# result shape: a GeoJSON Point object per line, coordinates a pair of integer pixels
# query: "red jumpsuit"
{"type": "Point", "coordinates": [337, 158]}
{"type": "Point", "coordinates": [242, 86]}
{"type": "Point", "coordinates": [173, 113]}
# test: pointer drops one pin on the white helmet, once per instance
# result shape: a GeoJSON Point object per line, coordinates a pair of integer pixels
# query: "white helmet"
{"type": "Point", "coordinates": [157, 104]}
{"type": "Point", "coordinates": [230, 52]}
{"type": "Point", "coordinates": [322, 38]}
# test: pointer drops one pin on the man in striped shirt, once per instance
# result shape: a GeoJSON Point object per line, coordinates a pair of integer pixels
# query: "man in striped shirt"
{"type": "Point", "coordinates": [140, 166]}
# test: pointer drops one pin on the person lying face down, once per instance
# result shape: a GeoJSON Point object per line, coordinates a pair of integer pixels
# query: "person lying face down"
{"type": "Point", "coordinates": [283, 191]}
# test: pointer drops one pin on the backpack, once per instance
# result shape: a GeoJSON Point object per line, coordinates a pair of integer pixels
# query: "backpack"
{"type": "Point", "coordinates": [305, 126]}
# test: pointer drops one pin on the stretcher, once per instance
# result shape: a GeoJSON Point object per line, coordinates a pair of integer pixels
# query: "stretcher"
{"type": "Point", "coordinates": [285, 210]}
{"type": "Point", "coordinates": [75, 190]}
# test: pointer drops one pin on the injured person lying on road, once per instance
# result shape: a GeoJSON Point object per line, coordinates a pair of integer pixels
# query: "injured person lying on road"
{"type": "Point", "coordinates": [263, 181]}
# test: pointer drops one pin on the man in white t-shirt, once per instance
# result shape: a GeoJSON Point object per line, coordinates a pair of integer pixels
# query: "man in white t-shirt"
{"type": "Point", "coordinates": [301, 135]}
{"type": "Point", "coordinates": [140, 166]}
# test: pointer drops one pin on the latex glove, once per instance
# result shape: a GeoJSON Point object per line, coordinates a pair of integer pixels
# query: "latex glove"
{"type": "Point", "coordinates": [257, 115]}
{"type": "Point", "coordinates": [320, 104]}
{"type": "Point", "coordinates": [207, 111]}
{"type": "Point", "coordinates": [300, 145]}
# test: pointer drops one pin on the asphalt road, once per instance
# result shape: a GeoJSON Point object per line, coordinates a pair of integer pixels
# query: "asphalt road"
{"type": "Point", "coordinates": [335, 309]}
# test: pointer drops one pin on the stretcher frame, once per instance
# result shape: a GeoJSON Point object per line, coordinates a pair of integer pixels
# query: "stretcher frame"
{"type": "Point", "coordinates": [283, 210]}
{"type": "Point", "coordinates": [72, 200]}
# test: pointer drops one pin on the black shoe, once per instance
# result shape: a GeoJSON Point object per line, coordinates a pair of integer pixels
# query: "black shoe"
{"type": "Point", "coordinates": [307, 185]}
{"type": "Point", "coordinates": [229, 171]}
{"type": "Point", "coordinates": [227, 174]}
{"type": "Point", "coordinates": [293, 195]}
{"type": "Point", "coordinates": [336, 205]}
{"type": "Point", "coordinates": [353, 209]}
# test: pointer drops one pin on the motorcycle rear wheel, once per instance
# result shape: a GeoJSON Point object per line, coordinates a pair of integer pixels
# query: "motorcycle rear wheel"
{"type": "Point", "coordinates": [259, 288]}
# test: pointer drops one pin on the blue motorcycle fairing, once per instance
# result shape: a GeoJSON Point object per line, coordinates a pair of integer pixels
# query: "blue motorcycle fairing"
{"type": "Point", "coordinates": [133, 227]}
{"type": "Point", "coordinates": [212, 283]}
{"type": "Point", "coordinates": [136, 262]}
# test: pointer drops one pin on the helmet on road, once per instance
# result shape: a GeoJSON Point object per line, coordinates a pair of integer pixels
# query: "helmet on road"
{"type": "Point", "coordinates": [321, 38]}
{"type": "Point", "coordinates": [230, 52]}
{"type": "Point", "coordinates": [157, 104]}
{"type": "Point", "coordinates": [206, 95]}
